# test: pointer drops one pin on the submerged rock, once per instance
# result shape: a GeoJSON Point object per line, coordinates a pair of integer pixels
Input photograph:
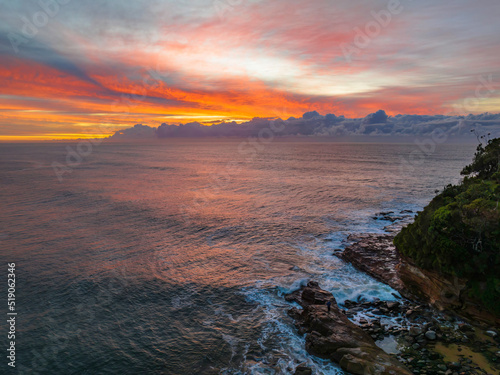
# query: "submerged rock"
{"type": "Point", "coordinates": [331, 335]}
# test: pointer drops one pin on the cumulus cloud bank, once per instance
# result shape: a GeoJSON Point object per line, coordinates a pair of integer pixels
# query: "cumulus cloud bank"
{"type": "Point", "coordinates": [314, 124]}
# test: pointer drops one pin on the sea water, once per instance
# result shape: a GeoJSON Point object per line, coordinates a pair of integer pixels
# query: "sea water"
{"type": "Point", "coordinates": [173, 257]}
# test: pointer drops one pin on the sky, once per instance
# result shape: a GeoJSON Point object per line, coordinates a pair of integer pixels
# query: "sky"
{"type": "Point", "coordinates": [73, 69]}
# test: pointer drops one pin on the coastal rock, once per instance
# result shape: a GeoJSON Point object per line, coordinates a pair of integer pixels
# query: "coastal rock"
{"type": "Point", "coordinates": [443, 292]}
{"type": "Point", "coordinates": [377, 256]}
{"type": "Point", "coordinates": [430, 286]}
{"type": "Point", "coordinates": [331, 335]}
{"type": "Point", "coordinates": [302, 369]}
{"type": "Point", "coordinates": [312, 295]}
{"type": "Point", "coordinates": [316, 296]}
{"type": "Point", "coordinates": [415, 331]}
{"type": "Point", "coordinates": [430, 335]}
{"type": "Point", "coordinates": [491, 334]}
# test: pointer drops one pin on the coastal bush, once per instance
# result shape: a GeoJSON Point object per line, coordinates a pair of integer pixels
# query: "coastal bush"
{"type": "Point", "coordinates": [458, 233]}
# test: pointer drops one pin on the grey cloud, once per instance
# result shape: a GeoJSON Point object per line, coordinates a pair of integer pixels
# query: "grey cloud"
{"type": "Point", "coordinates": [139, 131]}
{"type": "Point", "coordinates": [376, 118]}
{"type": "Point", "coordinates": [314, 124]}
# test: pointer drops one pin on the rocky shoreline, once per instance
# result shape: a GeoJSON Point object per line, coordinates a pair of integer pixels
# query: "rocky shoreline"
{"type": "Point", "coordinates": [433, 329]}
{"type": "Point", "coordinates": [330, 334]}
{"type": "Point", "coordinates": [391, 337]}
{"type": "Point", "coordinates": [425, 340]}
{"type": "Point", "coordinates": [377, 256]}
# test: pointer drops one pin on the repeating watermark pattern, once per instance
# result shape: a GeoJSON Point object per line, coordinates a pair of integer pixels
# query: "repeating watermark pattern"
{"type": "Point", "coordinates": [364, 36]}
{"type": "Point", "coordinates": [30, 26]}
{"type": "Point", "coordinates": [60, 336]}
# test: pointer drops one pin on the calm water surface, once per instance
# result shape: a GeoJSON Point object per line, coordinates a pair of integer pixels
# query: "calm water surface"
{"type": "Point", "coordinates": [172, 257]}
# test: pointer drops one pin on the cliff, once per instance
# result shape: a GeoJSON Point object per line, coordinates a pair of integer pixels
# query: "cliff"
{"type": "Point", "coordinates": [454, 243]}
{"type": "Point", "coordinates": [377, 256]}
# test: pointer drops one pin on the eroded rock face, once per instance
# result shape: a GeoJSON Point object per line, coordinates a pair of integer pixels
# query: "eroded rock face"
{"type": "Point", "coordinates": [377, 256]}
{"type": "Point", "coordinates": [430, 286]}
{"type": "Point", "coordinates": [331, 335]}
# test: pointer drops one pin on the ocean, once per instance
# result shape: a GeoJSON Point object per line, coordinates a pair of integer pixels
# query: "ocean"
{"type": "Point", "coordinates": [172, 257]}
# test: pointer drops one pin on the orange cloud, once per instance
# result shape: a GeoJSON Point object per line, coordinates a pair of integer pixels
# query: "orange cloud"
{"type": "Point", "coordinates": [93, 71]}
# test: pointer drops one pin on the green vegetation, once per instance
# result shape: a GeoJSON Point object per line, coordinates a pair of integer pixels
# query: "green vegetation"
{"type": "Point", "coordinates": [458, 233]}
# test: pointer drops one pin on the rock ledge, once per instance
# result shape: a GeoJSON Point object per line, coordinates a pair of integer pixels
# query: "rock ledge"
{"type": "Point", "coordinates": [377, 256]}
{"type": "Point", "coordinates": [330, 334]}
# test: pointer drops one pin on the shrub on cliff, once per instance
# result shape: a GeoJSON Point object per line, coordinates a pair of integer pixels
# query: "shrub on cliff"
{"type": "Point", "coordinates": [458, 233]}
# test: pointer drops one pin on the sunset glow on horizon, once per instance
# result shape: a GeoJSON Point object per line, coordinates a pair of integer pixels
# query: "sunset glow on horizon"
{"type": "Point", "coordinates": [78, 69]}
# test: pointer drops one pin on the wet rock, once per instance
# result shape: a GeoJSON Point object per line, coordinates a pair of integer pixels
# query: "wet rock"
{"type": "Point", "coordinates": [491, 333]}
{"type": "Point", "coordinates": [454, 366]}
{"type": "Point", "coordinates": [430, 335]}
{"type": "Point", "coordinates": [302, 369]}
{"type": "Point", "coordinates": [316, 296]}
{"type": "Point", "coordinates": [331, 335]}
{"type": "Point", "coordinates": [415, 331]}
{"type": "Point", "coordinates": [464, 327]}
{"type": "Point", "coordinates": [377, 256]}
{"type": "Point", "coordinates": [311, 295]}
{"type": "Point", "coordinates": [392, 305]}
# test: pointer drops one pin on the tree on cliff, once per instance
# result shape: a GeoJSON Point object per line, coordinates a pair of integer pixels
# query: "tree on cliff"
{"type": "Point", "coordinates": [458, 233]}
